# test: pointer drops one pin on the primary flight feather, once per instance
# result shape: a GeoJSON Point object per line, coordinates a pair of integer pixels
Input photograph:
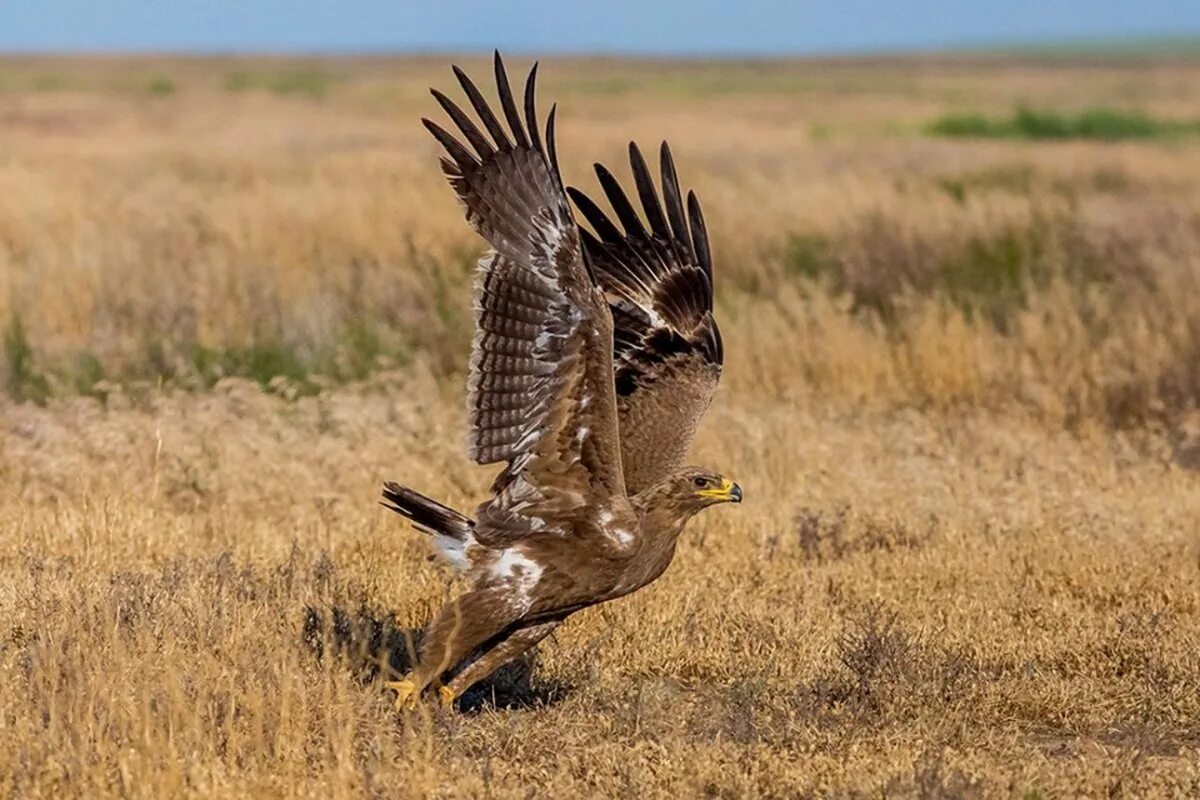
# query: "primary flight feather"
{"type": "Point", "coordinates": [594, 357]}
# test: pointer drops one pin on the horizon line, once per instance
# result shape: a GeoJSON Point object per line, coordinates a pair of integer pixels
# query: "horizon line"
{"type": "Point", "coordinates": [1145, 45]}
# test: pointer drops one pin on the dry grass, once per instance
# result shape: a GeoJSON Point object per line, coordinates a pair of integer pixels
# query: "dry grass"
{"type": "Point", "coordinates": [967, 564]}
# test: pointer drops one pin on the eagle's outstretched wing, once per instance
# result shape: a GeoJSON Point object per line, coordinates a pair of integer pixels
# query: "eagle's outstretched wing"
{"type": "Point", "coordinates": [658, 283]}
{"type": "Point", "coordinates": [540, 390]}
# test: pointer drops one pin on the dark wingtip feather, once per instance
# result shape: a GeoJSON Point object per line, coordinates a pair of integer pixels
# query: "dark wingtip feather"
{"type": "Point", "coordinates": [483, 110]}
{"type": "Point", "coordinates": [507, 103]}
{"type": "Point", "coordinates": [699, 234]}
{"type": "Point", "coordinates": [595, 216]}
{"type": "Point", "coordinates": [647, 193]}
{"type": "Point", "coordinates": [671, 195]}
{"type": "Point", "coordinates": [531, 109]}
{"type": "Point", "coordinates": [550, 145]}
{"type": "Point", "coordinates": [482, 146]}
{"type": "Point", "coordinates": [458, 154]}
{"type": "Point", "coordinates": [620, 202]}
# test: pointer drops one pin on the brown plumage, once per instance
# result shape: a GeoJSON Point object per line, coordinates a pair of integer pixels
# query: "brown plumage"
{"type": "Point", "coordinates": [590, 409]}
{"type": "Point", "coordinates": [667, 345]}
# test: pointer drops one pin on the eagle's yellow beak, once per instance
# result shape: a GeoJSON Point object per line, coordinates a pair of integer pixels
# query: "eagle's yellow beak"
{"type": "Point", "coordinates": [727, 492]}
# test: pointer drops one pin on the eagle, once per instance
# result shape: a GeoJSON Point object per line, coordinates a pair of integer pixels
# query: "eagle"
{"type": "Point", "coordinates": [595, 354]}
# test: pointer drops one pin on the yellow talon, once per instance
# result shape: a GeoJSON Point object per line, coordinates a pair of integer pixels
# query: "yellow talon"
{"type": "Point", "coordinates": [406, 693]}
{"type": "Point", "coordinates": [447, 696]}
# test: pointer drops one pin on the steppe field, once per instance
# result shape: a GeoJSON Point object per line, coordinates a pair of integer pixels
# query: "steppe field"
{"type": "Point", "coordinates": [961, 307]}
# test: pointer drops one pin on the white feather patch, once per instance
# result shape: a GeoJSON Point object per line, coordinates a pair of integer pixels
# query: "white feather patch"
{"type": "Point", "coordinates": [520, 572]}
{"type": "Point", "coordinates": [454, 550]}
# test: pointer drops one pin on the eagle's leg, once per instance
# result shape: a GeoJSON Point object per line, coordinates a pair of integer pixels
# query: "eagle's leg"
{"type": "Point", "coordinates": [463, 625]}
{"type": "Point", "coordinates": [504, 651]}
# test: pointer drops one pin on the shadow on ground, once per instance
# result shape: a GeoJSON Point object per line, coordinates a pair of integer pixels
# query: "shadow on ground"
{"type": "Point", "coordinates": [376, 650]}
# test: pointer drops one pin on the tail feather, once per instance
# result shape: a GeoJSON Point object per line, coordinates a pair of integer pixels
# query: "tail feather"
{"type": "Point", "coordinates": [428, 515]}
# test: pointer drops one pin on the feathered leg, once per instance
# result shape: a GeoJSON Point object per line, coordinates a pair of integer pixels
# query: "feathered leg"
{"type": "Point", "coordinates": [463, 625]}
{"type": "Point", "coordinates": [506, 650]}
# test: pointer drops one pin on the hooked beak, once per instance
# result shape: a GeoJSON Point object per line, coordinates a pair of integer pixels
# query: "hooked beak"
{"type": "Point", "coordinates": [727, 492]}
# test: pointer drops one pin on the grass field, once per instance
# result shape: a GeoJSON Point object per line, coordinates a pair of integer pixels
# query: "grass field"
{"type": "Point", "coordinates": [961, 395]}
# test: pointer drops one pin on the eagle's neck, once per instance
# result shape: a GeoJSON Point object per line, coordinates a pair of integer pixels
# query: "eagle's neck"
{"type": "Point", "coordinates": [660, 522]}
{"type": "Point", "coordinates": [657, 511]}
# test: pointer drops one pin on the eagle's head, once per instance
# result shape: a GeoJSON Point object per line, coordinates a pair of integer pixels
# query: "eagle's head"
{"type": "Point", "coordinates": [697, 488]}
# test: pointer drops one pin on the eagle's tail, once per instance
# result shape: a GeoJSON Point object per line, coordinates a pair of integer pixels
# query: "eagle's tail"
{"type": "Point", "coordinates": [452, 532]}
{"type": "Point", "coordinates": [428, 515]}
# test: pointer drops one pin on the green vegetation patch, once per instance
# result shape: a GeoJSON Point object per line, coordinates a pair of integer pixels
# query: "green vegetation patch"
{"type": "Point", "coordinates": [305, 82]}
{"type": "Point", "coordinates": [25, 380]}
{"type": "Point", "coordinates": [160, 86]}
{"type": "Point", "coordinates": [358, 351]}
{"type": "Point", "coordinates": [988, 274]}
{"type": "Point", "coordinates": [1101, 124]}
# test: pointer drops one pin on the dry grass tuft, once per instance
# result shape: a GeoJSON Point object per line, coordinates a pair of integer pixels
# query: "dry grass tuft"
{"type": "Point", "coordinates": [961, 394]}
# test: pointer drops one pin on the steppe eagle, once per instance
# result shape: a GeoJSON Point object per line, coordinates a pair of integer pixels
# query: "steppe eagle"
{"type": "Point", "coordinates": [594, 357]}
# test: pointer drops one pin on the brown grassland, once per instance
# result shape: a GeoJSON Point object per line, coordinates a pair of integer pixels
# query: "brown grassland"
{"type": "Point", "coordinates": [960, 384]}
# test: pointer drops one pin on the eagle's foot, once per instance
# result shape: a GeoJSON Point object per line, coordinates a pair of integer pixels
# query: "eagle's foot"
{"type": "Point", "coordinates": [446, 694]}
{"type": "Point", "coordinates": [406, 693]}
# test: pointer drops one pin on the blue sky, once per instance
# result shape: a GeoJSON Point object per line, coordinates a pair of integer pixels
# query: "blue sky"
{"type": "Point", "coordinates": [540, 26]}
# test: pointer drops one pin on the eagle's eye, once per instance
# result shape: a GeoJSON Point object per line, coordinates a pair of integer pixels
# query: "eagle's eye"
{"type": "Point", "coordinates": [700, 482]}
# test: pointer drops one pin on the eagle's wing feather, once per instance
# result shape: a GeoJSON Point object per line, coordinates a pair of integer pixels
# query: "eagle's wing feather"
{"type": "Point", "coordinates": [658, 281]}
{"type": "Point", "coordinates": [540, 390]}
